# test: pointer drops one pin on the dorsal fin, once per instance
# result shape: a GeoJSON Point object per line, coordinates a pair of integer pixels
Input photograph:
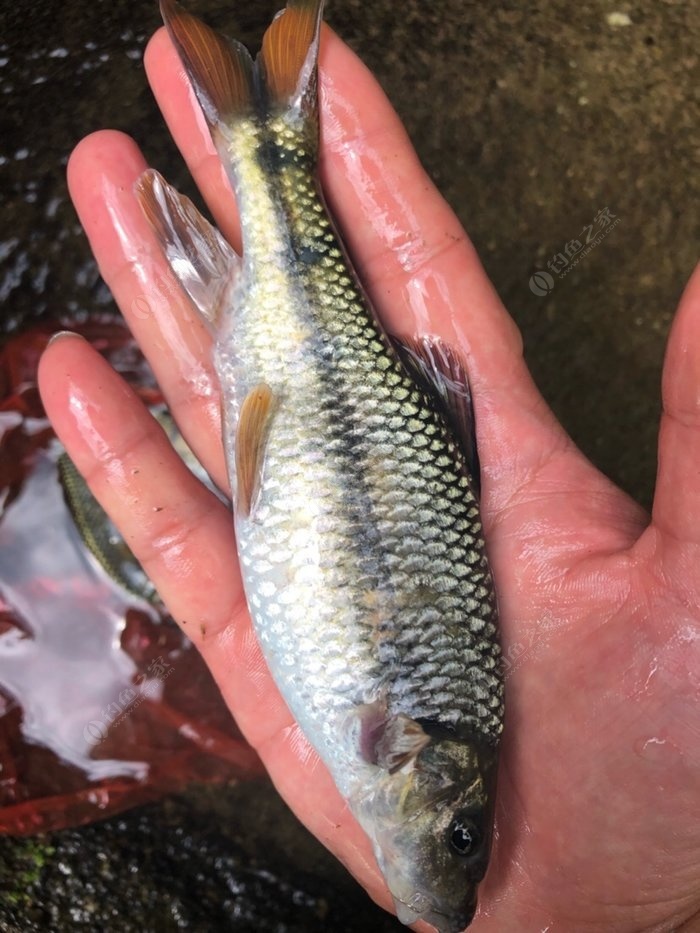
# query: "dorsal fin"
{"type": "Point", "coordinates": [440, 372]}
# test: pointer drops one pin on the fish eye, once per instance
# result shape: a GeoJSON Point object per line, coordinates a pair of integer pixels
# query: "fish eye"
{"type": "Point", "coordinates": [464, 836]}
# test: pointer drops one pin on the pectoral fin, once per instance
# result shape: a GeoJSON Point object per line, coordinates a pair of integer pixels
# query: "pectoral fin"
{"type": "Point", "coordinates": [390, 742]}
{"type": "Point", "coordinates": [401, 740]}
{"type": "Point", "coordinates": [251, 436]}
{"type": "Point", "coordinates": [440, 371]}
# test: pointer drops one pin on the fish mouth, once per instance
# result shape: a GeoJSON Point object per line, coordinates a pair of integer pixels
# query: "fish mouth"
{"type": "Point", "coordinates": [421, 908]}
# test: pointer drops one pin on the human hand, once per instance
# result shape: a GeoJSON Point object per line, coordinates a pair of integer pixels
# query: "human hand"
{"type": "Point", "coordinates": [598, 814]}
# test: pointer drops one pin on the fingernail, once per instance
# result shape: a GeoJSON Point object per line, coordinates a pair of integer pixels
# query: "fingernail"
{"type": "Point", "coordinates": [62, 334]}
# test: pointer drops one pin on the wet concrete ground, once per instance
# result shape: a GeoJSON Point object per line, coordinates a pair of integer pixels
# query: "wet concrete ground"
{"type": "Point", "coordinates": [532, 119]}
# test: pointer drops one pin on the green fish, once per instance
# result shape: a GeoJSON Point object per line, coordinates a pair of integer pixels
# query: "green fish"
{"type": "Point", "coordinates": [354, 477]}
{"type": "Point", "coordinates": [98, 532]}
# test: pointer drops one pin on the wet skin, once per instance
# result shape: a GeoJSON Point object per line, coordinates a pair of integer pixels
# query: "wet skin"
{"type": "Point", "coordinates": [598, 813]}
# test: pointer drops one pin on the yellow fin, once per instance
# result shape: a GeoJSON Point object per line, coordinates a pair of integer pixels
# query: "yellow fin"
{"type": "Point", "coordinates": [251, 434]}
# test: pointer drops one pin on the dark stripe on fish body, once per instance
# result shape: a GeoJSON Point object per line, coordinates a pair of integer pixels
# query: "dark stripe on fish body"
{"type": "Point", "coordinates": [446, 591]}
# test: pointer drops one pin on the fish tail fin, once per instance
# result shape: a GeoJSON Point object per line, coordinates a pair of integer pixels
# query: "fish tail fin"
{"type": "Point", "coordinates": [220, 70]}
{"type": "Point", "coordinates": [288, 62]}
{"type": "Point", "coordinates": [230, 86]}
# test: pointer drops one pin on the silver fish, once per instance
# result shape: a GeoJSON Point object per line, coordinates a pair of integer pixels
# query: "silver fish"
{"type": "Point", "coordinates": [354, 477]}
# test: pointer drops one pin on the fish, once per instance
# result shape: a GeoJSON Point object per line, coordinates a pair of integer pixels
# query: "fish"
{"type": "Point", "coordinates": [97, 531]}
{"type": "Point", "coordinates": [354, 477]}
{"type": "Point", "coordinates": [100, 535]}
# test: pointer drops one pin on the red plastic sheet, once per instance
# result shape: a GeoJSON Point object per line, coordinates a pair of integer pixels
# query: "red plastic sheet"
{"type": "Point", "coordinates": [104, 703]}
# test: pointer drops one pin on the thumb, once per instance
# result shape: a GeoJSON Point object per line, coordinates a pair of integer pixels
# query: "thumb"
{"type": "Point", "coordinates": [676, 511]}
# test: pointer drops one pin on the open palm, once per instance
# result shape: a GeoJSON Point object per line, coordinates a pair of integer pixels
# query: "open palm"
{"type": "Point", "coordinates": [598, 815]}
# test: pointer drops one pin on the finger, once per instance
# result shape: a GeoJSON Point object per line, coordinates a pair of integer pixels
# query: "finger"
{"type": "Point", "coordinates": [411, 248]}
{"type": "Point", "coordinates": [183, 537]}
{"type": "Point", "coordinates": [424, 276]}
{"type": "Point", "coordinates": [676, 510]}
{"type": "Point", "coordinates": [101, 174]}
{"type": "Point", "coordinates": [123, 453]}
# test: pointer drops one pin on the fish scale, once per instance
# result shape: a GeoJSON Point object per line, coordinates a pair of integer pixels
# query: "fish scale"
{"type": "Point", "coordinates": [362, 436]}
{"type": "Point", "coordinates": [354, 475]}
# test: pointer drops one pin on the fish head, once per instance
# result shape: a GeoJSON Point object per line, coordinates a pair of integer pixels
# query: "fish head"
{"type": "Point", "coordinates": [431, 824]}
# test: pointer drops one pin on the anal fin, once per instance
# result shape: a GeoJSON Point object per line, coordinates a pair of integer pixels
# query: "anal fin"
{"type": "Point", "coordinates": [202, 261]}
